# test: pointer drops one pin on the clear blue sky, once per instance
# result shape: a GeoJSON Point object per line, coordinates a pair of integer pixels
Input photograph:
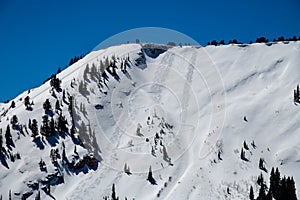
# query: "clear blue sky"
{"type": "Point", "coordinates": [37, 37]}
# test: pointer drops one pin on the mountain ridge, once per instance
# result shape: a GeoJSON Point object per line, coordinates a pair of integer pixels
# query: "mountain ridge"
{"type": "Point", "coordinates": [188, 102]}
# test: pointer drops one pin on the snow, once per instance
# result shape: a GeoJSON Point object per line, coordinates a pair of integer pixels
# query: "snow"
{"type": "Point", "coordinates": [203, 93]}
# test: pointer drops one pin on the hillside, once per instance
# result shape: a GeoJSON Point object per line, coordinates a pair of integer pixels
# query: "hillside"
{"type": "Point", "coordinates": [186, 112]}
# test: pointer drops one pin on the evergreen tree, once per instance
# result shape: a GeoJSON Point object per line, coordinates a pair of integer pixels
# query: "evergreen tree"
{"type": "Point", "coordinates": [42, 165]}
{"type": "Point", "coordinates": [13, 104]}
{"type": "Point", "coordinates": [45, 128]}
{"type": "Point", "coordinates": [272, 180]}
{"type": "Point", "coordinates": [34, 128]}
{"type": "Point", "coordinates": [27, 102]}
{"type": "Point", "coordinates": [276, 184]}
{"type": "Point", "coordinates": [64, 155]}
{"type": "Point", "coordinates": [297, 95]}
{"type": "Point", "coordinates": [150, 177]}
{"type": "Point", "coordinates": [260, 180]}
{"type": "Point", "coordinates": [29, 123]}
{"type": "Point", "coordinates": [269, 195]}
{"type": "Point", "coordinates": [262, 192]}
{"type": "Point", "coordinates": [113, 195]}
{"type": "Point", "coordinates": [292, 189]}
{"type": "Point", "coordinates": [1, 141]}
{"type": "Point", "coordinates": [283, 191]}
{"type": "Point", "coordinates": [64, 95]}
{"type": "Point", "coordinates": [262, 40]}
{"type": "Point", "coordinates": [8, 137]}
{"type": "Point", "coordinates": [57, 106]}
{"type": "Point", "coordinates": [251, 195]}
{"type": "Point", "coordinates": [214, 42]}
{"type": "Point", "coordinates": [58, 70]}
{"type": "Point", "coordinates": [55, 82]}
{"type": "Point", "coordinates": [62, 124]}
{"type": "Point", "coordinates": [52, 127]}
{"type": "Point", "coordinates": [14, 120]}
{"type": "Point", "coordinates": [47, 105]}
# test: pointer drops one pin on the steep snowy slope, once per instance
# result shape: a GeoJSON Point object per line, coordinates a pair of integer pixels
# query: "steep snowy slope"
{"type": "Point", "coordinates": [184, 111]}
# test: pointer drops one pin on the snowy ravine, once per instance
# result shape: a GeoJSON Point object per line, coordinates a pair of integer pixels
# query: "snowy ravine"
{"type": "Point", "coordinates": [184, 111]}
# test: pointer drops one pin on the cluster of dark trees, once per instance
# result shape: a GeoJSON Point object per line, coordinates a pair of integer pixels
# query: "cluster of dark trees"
{"type": "Point", "coordinates": [75, 59]}
{"type": "Point", "coordinates": [280, 188]}
{"type": "Point", "coordinates": [282, 39]}
{"type": "Point", "coordinates": [258, 40]}
{"type": "Point", "coordinates": [71, 62]}
{"type": "Point", "coordinates": [50, 127]}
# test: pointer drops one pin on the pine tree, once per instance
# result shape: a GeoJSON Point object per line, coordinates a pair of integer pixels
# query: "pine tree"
{"type": "Point", "coordinates": [14, 120]}
{"type": "Point", "coordinates": [251, 195]}
{"type": "Point", "coordinates": [34, 128]}
{"type": "Point", "coordinates": [52, 127]}
{"type": "Point", "coordinates": [64, 155]}
{"type": "Point", "coordinates": [292, 189]}
{"type": "Point", "coordinates": [272, 180]}
{"type": "Point", "coordinates": [276, 184]}
{"type": "Point", "coordinates": [262, 192]}
{"type": "Point", "coordinates": [29, 123]}
{"type": "Point", "coordinates": [260, 180]}
{"type": "Point", "coordinates": [57, 106]}
{"type": "Point", "coordinates": [269, 195]}
{"type": "Point", "coordinates": [27, 102]}
{"type": "Point", "coordinates": [45, 128]}
{"type": "Point", "coordinates": [150, 177]}
{"type": "Point", "coordinates": [62, 124]}
{"type": "Point", "coordinates": [113, 195]}
{"type": "Point", "coordinates": [13, 104]}
{"type": "Point", "coordinates": [283, 189]}
{"type": "Point", "coordinates": [47, 105]}
{"type": "Point", "coordinates": [8, 137]}
{"type": "Point", "coordinates": [9, 195]}
{"type": "Point", "coordinates": [55, 82]}
{"type": "Point", "coordinates": [1, 141]}
{"type": "Point", "coordinates": [297, 95]}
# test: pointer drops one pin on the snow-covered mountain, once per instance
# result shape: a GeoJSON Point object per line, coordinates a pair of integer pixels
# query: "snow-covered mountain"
{"type": "Point", "coordinates": [185, 112]}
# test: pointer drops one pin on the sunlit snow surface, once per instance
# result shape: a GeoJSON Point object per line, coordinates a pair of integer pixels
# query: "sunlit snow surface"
{"type": "Point", "coordinates": [203, 93]}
